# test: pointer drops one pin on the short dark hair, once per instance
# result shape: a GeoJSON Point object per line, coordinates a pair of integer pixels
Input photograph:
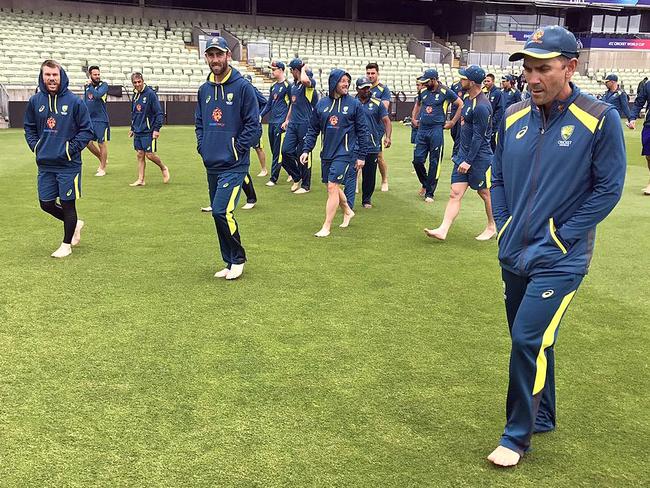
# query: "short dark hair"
{"type": "Point", "coordinates": [490, 75]}
{"type": "Point", "coordinates": [92, 68]}
{"type": "Point", "coordinates": [137, 76]}
{"type": "Point", "coordinates": [50, 63]}
{"type": "Point", "coordinates": [373, 66]}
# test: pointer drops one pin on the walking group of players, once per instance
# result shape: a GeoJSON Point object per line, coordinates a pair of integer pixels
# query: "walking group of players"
{"type": "Point", "coordinates": [549, 169]}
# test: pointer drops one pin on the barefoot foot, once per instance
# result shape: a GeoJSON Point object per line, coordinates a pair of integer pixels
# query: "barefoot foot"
{"type": "Point", "coordinates": [346, 219]}
{"type": "Point", "coordinates": [502, 456]}
{"type": "Point", "coordinates": [438, 233]}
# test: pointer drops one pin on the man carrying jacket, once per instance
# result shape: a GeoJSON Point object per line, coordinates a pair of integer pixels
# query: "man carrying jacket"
{"type": "Point", "coordinates": [146, 122]}
{"type": "Point", "coordinates": [227, 122]}
{"type": "Point", "coordinates": [277, 108]}
{"type": "Point", "coordinates": [557, 172]}
{"type": "Point", "coordinates": [643, 99]}
{"type": "Point", "coordinates": [343, 124]}
{"type": "Point", "coordinates": [57, 128]}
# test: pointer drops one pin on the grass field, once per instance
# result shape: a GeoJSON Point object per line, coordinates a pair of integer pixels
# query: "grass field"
{"type": "Point", "coordinates": [375, 357]}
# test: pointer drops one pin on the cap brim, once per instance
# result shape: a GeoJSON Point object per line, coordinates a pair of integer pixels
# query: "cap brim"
{"type": "Point", "coordinates": [534, 53]}
{"type": "Point", "coordinates": [423, 80]}
{"type": "Point", "coordinates": [365, 85]}
{"type": "Point", "coordinates": [218, 48]}
{"type": "Point", "coordinates": [275, 67]}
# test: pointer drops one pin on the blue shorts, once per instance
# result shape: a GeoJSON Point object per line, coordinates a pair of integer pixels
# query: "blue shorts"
{"type": "Point", "coordinates": [477, 178]}
{"type": "Point", "coordinates": [102, 132]}
{"type": "Point", "coordinates": [145, 142]}
{"type": "Point", "coordinates": [335, 171]}
{"type": "Point", "coordinates": [53, 184]}
{"type": "Point", "coordinates": [645, 141]}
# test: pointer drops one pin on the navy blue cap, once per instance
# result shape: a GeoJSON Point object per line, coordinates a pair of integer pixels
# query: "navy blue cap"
{"type": "Point", "coordinates": [611, 77]}
{"type": "Point", "coordinates": [473, 73]}
{"type": "Point", "coordinates": [278, 65]}
{"type": "Point", "coordinates": [428, 75]}
{"type": "Point", "coordinates": [363, 82]}
{"type": "Point", "coordinates": [509, 78]}
{"type": "Point", "coordinates": [296, 63]}
{"type": "Point", "coordinates": [548, 42]}
{"type": "Point", "coordinates": [249, 78]}
{"type": "Point", "coordinates": [217, 43]}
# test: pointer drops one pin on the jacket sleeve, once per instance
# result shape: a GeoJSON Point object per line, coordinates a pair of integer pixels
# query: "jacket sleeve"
{"type": "Point", "coordinates": [363, 132]}
{"type": "Point", "coordinates": [250, 120]}
{"type": "Point", "coordinates": [158, 115]}
{"type": "Point", "coordinates": [84, 128]}
{"type": "Point", "coordinates": [269, 104]}
{"type": "Point", "coordinates": [608, 175]}
{"type": "Point", "coordinates": [480, 127]}
{"type": "Point", "coordinates": [625, 105]}
{"type": "Point", "coordinates": [29, 124]}
{"type": "Point", "coordinates": [98, 92]}
{"type": "Point", "coordinates": [500, 210]}
{"type": "Point", "coordinates": [639, 102]}
{"type": "Point", "coordinates": [198, 122]}
{"type": "Point", "coordinates": [312, 132]}
{"type": "Point", "coordinates": [498, 110]}
{"type": "Point", "coordinates": [262, 102]}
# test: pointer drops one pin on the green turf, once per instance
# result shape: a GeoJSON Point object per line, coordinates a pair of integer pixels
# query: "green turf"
{"type": "Point", "coordinates": [375, 357]}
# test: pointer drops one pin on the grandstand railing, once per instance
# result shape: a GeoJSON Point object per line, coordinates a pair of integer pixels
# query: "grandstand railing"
{"type": "Point", "coordinates": [489, 58]}
{"type": "Point", "coordinates": [4, 104]}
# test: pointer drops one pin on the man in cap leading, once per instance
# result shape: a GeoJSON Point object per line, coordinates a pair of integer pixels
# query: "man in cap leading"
{"type": "Point", "coordinates": [227, 122]}
{"type": "Point", "coordinates": [472, 162]}
{"type": "Point", "coordinates": [558, 171]}
{"type": "Point", "coordinates": [429, 116]}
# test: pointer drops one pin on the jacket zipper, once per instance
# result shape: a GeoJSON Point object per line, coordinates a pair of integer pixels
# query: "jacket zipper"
{"type": "Point", "coordinates": [346, 142]}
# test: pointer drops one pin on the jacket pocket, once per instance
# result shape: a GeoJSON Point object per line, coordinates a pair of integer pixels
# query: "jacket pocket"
{"type": "Point", "coordinates": [234, 148]}
{"type": "Point", "coordinates": [554, 237]}
{"type": "Point", "coordinates": [36, 147]}
{"type": "Point", "coordinates": [346, 143]}
{"type": "Point", "coordinates": [503, 229]}
{"type": "Point", "coordinates": [67, 150]}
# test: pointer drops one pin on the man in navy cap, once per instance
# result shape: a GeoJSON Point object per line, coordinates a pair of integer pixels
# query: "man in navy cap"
{"type": "Point", "coordinates": [227, 121]}
{"type": "Point", "coordinates": [277, 107]}
{"type": "Point", "coordinates": [429, 116]}
{"type": "Point", "coordinates": [378, 126]}
{"type": "Point", "coordinates": [643, 99]}
{"type": "Point", "coordinates": [509, 93]}
{"type": "Point", "coordinates": [494, 95]}
{"type": "Point", "coordinates": [472, 162]}
{"type": "Point", "coordinates": [303, 98]}
{"type": "Point", "coordinates": [558, 171]}
{"type": "Point", "coordinates": [616, 96]}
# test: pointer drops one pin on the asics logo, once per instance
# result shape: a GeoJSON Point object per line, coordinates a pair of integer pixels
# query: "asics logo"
{"type": "Point", "coordinates": [548, 294]}
{"type": "Point", "coordinates": [521, 133]}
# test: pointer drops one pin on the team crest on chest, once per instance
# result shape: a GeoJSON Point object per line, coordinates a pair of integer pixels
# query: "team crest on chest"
{"type": "Point", "coordinates": [144, 99]}
{"type": "Point", "coordinates": [428, 109]}
{"type": "Point", "coordinates": [90, 96]}
{"type": "Point", "coordinates": [64, 110]}
{"type": "Point", "coordinates": [229, 97]}
{"type": "Point", "coordinates": [345, 109]}
{"type": "Point", "coordinates": [138, 107]}
{"type": "Point", "coordinates": [217, 114]}
{"type": "Point", "coordinates": [334, 120]}
{"type": "Point", "coordinates": [51, 122]}
{"type": "Point", "coordinates": [566, 132]}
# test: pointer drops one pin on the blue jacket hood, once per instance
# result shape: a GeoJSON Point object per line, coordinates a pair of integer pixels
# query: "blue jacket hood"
{"type": "Point", "coordinates": [63, 87]}
{"type": "Point", "coordinates": [335, 77]}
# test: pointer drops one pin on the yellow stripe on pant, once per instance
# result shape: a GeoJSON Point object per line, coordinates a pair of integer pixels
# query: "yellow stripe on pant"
{"type": "Point", "coordinates": [77, 190]}
{"type": "Point", "coordinates": [281, 143]}
{"type": "Point", "coordinates": [154, 145]}
{"type": "Point", "coordinates": [488, 178]}
{"type": "Point", "coordinates": [547, 341]}
{"type": "Point", "coordinates": [440, 155]}
{"type": "Point", "coordinates": [232, 225]}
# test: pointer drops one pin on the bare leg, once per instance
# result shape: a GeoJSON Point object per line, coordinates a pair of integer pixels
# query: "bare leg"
{"type": "Point", "coordinates": [451, 212]}
{"type": "Point", "coordinates": [95, 150]}
{"type": "Point", "coordinates": [502, 456]}
{"type": "Point", "coordinates": [141, 166]}
{"type": "Point", "coordinates": [333, 201]}
{"type": "Point", "coordinates": [348, 213]}
{"type": "Point", "coordinates": [491, 227]}
{"type": "Point", "coordinates": [153, 157]}
{"type": "Point", "coordinates": [647, 188]}
{"type": "Point", "coordinates": [103, 155]}
{"type": "Point", "coordinates": [262, 157]}
{"type": "Point", "coordinates": [383, 171]}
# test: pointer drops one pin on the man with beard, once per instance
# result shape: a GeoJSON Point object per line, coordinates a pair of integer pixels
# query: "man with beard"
{"type": "Point", "coordinates": [57, 128]}
{"type": "Point", "coordinates": [277, 107]}
{"type": "Point", "coordinates": [429, 116]}
{"type": "Point", "coordinates": [494, 95]}
{"type": "Point", "coordinates": [340, 118]}
{"type": "Point", "coordinates": [227, 122]}
{"type": "Point", "coordinates": [95, 95]}
{"type": "Point", "coordinates": [303, 100]}
{"type": "Point", "coordinates": [381, 92]}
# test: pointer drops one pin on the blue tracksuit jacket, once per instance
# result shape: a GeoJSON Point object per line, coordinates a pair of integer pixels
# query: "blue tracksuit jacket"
{"type": "Point", "coordinates": [642, 97]}
{"type": "Point", "coordinates": [57, 127]}
{"type": "Point", "coordinates": [620, 101]}
{"type": "Point", "coordinates": [146, 112]}
{"type": "Point", "coordinates": [227, 123]}
{"type": "Point", "coordinates": [494, 95]}
{"type": "Point", "coordinates": [553, 181]}
{"type": "Point", "coordinates": [375, 112]}
{"type": "Point", "coordinates": [509, 97]}
{"type": "Point", "coordinates": [95, 100]}
{"type": "Point", "coordinates": [475, 132]}
{"type": "Point", "coordinates": [278, 104]}
{"type": "Point", "coordinates": [343, 124]}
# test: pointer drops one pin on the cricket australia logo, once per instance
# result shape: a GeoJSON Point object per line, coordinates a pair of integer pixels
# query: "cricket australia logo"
{"type": "Point", "coordinates": [51, 122]}
{"type": "Point", "coordinates": [345, 109]}
{"type": "Point", "coordinates": [229, 98]}
{"type": "Point", "coordinates": [64, 110]}
{"type": "Point", "coordinates": [217, 114]}
{"type": "Point", "coordinates": [537, 36]}
{"type": "Point", "coordinates": [334, 120]}
{"type": "Point", "coordinates": [566, 132]}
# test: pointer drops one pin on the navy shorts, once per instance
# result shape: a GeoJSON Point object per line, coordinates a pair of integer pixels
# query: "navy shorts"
{"type": "Point", "coordinates": [145, 142]}
{"type": "Point", "coordinates": [53, 184]}
{"type": "Point", "coordinates": [102, 132]}
{"type": "Point", "coordinates": [645, 141]}
{"type": "Point", "coordinates": [478, 178]}
{"type": "Point", "coordinates": [335, 171]}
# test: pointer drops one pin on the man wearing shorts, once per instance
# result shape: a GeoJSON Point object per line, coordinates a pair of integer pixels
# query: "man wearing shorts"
{"type": "Point", "coordinates": [643, 99]}
{"type": "Point", "coordinates": [95, 95]}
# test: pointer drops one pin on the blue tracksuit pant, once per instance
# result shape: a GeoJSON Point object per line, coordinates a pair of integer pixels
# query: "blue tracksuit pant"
{"type": "Point", "coordinates": [428, 143]}
{"type": "Point", "coordinates": [276, 134]}
{"type": "Point", "coordinates": [292, 145]}
{"type": "Point", "coordinates": [534, 308]}
{"type": "Point", "coordinates": [225, 189]}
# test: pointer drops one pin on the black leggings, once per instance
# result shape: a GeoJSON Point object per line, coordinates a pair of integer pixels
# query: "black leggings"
{"type": "Point", "coordinates": [66, 211]}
